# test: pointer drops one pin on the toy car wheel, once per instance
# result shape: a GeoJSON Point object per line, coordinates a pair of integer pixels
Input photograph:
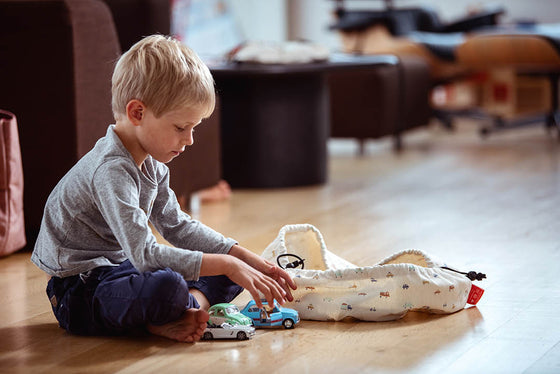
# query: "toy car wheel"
{"type": "Point", "coordinates": [207, 336]}
{"type": "Point", "coordinates": [288, 324]}
{"type": "Point", "coordinates": [241, 336]}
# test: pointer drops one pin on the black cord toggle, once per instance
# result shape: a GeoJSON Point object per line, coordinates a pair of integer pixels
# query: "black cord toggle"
{"type": "Point", "coordinates": [291, 265]}
{"type": "Point", "coordinates": [472, 275]}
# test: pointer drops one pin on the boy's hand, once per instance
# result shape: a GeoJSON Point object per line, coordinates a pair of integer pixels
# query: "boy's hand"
{"type": "Point", "coordinates": [255, 281]}
{"type": "Point", "coordinates": [280, 276]}
{"type": "Point", "coordinates": [252, 273]}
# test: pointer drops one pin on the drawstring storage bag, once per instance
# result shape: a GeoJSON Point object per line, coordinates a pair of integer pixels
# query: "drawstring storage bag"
{"type": "Point", "coordinates": [12, 226]}
{"type": "Point", "coordinates": [331, 288]}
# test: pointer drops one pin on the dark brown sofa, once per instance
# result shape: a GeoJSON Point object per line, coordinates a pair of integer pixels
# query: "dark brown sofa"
{"type": "Point", "coordinates": [135, 19]}
{"type": "Point", "coordinates": [55, 69]}
{"type": "Point", "coordinates": [381, 101]}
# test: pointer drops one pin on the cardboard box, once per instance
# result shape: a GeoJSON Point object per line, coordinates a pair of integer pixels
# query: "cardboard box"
{"type": "Point", "coordinates": [508, 94]}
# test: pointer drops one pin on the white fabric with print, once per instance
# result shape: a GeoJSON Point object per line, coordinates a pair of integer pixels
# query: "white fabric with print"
{"type": "Point", "coordinates": [331, 288]}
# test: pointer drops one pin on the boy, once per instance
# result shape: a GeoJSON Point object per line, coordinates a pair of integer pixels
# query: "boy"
{"type": "Point", "coordinates": [108, 273]}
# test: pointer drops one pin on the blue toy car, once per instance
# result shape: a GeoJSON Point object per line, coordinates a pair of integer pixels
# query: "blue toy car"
{"type": "Point", "coordinates": [271, 317]}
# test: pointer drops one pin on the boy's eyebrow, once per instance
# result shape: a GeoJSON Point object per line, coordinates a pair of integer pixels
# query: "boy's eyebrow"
{"type": "Point", "coordinates": [186, 123]}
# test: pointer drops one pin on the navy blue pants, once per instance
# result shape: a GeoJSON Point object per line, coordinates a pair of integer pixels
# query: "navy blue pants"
{"type": "Point", "coordinates": [117, 300]}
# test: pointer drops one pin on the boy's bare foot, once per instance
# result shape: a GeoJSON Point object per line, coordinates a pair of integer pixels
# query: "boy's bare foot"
{"type": "Point", "coordinates": [189, 328]}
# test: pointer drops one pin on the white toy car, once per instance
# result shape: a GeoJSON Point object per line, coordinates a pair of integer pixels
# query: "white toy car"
{"type": "Point", "coordinates": [228, 331]}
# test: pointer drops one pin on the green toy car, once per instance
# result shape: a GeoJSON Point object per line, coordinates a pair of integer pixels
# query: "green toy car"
{"type": "Point", "coordinates": [228, 313]}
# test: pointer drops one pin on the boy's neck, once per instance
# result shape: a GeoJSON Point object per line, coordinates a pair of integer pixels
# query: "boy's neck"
{"type": "Point", "coordinates": [125, 132]}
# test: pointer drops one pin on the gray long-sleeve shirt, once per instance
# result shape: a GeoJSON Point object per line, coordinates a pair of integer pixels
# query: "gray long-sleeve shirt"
{"type": "Point", "coordinates": [97, 215]}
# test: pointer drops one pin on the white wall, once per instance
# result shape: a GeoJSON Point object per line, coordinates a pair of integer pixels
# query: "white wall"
{"type": "Point", "coordinates": [309, 19]}
{"type": "Point", "coordinates": [540, 10]}
{"type": "Point", "coordinates": [213, 27]}
{"type": "Point", "coordinates": [261, 19]}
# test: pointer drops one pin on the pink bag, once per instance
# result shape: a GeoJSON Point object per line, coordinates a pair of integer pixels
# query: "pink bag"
{"type": "Point", "coordinates": [12, 227]}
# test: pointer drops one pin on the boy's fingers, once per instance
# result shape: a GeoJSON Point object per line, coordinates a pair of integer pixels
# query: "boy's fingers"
{"type": "Point", "coordinates": [289, 282]}
{"type": "Point", "coordinates": [279, 273]}
{"type": "Point", "coordinates": [257, 299]}
{"type": "Point", "coordinates": [275, 292]}
{"type": "Point", "coordinates": [285, 288]}
{"type": "Point", "coordinates": [269, 292]}
{"type": "Point", "coordinates": [279, 291]}
{"type": "Point", "coordinates": [289, 279]}
{"type": "Point", "coordinates": [270, 300]}
{"type": "Point", "coordinates": [283, 279]}
{"type": "Point", "coordinates": [289, 295]}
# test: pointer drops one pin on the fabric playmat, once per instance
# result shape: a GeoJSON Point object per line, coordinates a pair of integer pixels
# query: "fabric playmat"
{"type": "Point", "coordinates": [331, 288]}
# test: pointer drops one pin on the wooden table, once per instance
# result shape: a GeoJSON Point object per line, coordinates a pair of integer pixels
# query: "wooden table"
{"type": "Point", "coordinates": [275, 119]}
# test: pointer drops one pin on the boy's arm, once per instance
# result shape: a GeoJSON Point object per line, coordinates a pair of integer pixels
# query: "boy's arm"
{"type": "Point", "coordinates": [178, 228]}
{"type": "Point", "coordinates": [117, 199]}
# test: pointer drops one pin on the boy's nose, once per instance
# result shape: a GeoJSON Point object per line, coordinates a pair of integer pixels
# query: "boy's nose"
{"type": "Point", "coordinates": [189, 139]}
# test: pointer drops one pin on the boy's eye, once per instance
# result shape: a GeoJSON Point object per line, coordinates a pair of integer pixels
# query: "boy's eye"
{"type": "Point", "coordinates": [180, 129]}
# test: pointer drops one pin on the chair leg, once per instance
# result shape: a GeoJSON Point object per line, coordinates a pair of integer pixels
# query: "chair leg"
{"type": "Point", "coordinates": [361, 147]}
{"type": "Point", "coordinates": [553, 118]}
{"type": "Point", "coordinates": [397, 142]}
{"type": "Point", "coordinates": [445, 118]}
{"type": "Point", "coordinates": [553, 123]}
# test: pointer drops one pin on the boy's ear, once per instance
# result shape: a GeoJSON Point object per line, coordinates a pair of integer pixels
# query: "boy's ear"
{"type": "Point", "coordinates": [135, 111]}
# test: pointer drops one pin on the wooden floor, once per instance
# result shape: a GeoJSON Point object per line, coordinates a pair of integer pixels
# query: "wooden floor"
{"type": "Point", "coordinates": [487, 205]}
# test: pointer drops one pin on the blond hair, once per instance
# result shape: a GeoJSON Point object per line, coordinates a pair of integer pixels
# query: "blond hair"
{"type": "Point", "coordinates": [165, 75]}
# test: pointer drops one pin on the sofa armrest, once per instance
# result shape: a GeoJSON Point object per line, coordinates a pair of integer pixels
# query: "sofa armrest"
{"type": "Point", "coordinates": [55, 70]}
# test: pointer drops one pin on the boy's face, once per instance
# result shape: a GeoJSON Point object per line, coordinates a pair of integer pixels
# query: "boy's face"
{"type": "Point", "coordinates": [166, 137]}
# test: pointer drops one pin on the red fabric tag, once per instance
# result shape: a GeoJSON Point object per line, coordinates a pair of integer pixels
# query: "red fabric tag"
{"type": "Point", "coordinates": [475, 295]}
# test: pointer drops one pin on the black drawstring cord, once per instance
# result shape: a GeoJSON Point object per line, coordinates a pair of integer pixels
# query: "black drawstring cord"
{"type": "Point", "coordinates": [472, 275]}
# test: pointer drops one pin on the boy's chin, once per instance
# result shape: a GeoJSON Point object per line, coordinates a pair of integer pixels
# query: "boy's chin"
{"type": "Point", "coordinates": [165, 159]}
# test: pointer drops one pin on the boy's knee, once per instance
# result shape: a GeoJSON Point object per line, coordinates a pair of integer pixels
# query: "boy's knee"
{"type": "Point", "coordinates": [167, 297]}
{"type": "Point", "coordinates": [166, 285]}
